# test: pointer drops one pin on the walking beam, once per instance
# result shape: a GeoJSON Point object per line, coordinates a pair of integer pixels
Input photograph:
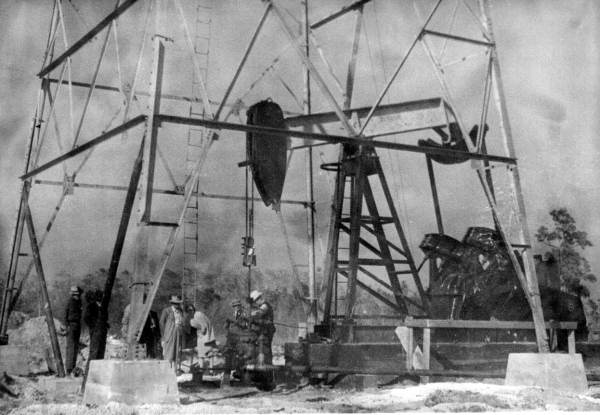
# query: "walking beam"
{"type": "Point", "coordinates": [335, 139]}
{"type": "Point", "coordinates": [87, 37]}
{"type": "Point", "coordinates": [90, 144]}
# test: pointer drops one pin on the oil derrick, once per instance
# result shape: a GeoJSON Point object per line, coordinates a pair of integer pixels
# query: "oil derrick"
{"type": "Point", "coordinates": [371, 221]}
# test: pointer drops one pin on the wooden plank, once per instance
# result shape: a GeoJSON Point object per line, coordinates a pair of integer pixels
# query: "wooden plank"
{"type": "Point", "coordinates": [426, 353]}
{"type": "Point", "coordinates": [410, 347]}
{"type": "Point", "coordinates": [486, 324]}
{"type": "Point", "coordinates": [571, 341]}
{"type": "Point", "coordinates": [426, 347]}
{"type": "Point", "coordinates": [403, 241]}
{"type": "Point", "coordinates": [87, 37]}
{"type": "Point", "coordinates": [356, 203]}
{"type": "Point", "coordinates": [358, 356]}
{"type": "Point", "coordinates": [386, 254]}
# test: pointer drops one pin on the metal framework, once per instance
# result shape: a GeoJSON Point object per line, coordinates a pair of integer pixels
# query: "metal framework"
{"type": "Point", "coordinates": [358, 159]}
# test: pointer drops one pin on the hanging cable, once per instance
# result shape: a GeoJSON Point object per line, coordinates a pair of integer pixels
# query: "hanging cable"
{"type": "Point", "coordinates": [249, 258]}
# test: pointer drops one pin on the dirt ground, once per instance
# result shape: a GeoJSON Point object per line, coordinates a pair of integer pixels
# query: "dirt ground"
{"type": "Point", "coordinates": [460, 396]}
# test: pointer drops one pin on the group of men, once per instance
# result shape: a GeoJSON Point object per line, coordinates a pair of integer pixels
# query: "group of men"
{"type": "Point", "coordinates": [249, 336]}
{"type": "Point", "coordinates": [165, 337]}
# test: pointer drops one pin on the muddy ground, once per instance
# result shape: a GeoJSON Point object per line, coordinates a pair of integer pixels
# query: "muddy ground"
{"type": "Point", "coordinates": [37, 396]}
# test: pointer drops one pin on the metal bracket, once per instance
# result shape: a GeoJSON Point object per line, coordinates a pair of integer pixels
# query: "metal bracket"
{"type": "Point", "coordinates": [69, 184]}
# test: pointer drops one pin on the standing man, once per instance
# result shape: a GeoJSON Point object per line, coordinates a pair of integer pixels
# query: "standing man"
{"type": "Point", "coordinates": [73, 322]}
{"type": "Point", "coordinates": [261, 319]}
{"type": "Point", "coordinates": [239, 345]}
{"type": "Point", "coordinates": [90, 317]}
{"type": "Point", "coordinates": [150, 336]}
{"type": "Point", "coordinates": [171, 323]}
{"type": "Point", "coordinates": [204, 334]}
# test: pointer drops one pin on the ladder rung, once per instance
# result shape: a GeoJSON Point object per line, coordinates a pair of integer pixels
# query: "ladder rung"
{"type": "Point", "coordinates": [375, 261]}
{"type": "Point", "coordinates": [165, 224]}
{"type": "Point", "coordinates": [402, 272]}
{"type": "Point", "coordinates": [371, 219]}
{"type": "Point", "coordinates": [23, 254]}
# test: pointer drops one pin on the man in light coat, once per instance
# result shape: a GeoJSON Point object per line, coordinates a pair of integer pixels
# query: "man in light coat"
{"type": "Point", "coordinates": [204, 334]}
{"type": "Point", "coordinates": [171, 323]}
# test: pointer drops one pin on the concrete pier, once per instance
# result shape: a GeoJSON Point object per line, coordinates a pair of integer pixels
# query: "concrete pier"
{"type": "Point", "coordinates": [563, 372]}
{"type": "Point", "coordinates": [133, 382]}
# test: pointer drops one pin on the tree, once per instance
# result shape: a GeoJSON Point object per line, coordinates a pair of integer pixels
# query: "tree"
{"type": "Point", "coordinates": [567, 244]}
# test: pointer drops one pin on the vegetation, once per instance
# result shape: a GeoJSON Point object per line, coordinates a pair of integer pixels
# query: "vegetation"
{"type": "Point", "coordinates": [567, 243]}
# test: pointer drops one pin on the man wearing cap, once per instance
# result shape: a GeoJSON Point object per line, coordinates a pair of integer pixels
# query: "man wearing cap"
{"type": "Point", "coordinates": [261, 319]}
{"type": "Point", "coordinates": [171, 322]}
{"type": "Point", "coordinates": [73, 322]}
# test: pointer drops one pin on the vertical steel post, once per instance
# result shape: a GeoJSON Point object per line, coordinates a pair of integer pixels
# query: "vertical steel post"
{"type": "Point", "coordinates": [9, 297]}
{"type": "Point", "coordinates": [98, 336]}
{"type": "Point", "coordinates": [434, 194]}
{"type": "Point", "coordinates": [531, 289]}
{"type": "Point", "coordinates": [330, 268]}
{"type": "Point", "coordinates": [142, 273]}
{"type": "Point", "coordinates": [310, 211]}
{"type": "Point", "coordinates": [159, 60]}
{"type": "Point", "coordinates": [356, 203]}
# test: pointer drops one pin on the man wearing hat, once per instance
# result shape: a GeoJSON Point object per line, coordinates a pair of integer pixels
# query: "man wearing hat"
{"type": "Point", "coordinates": [261, 319]}
{"type": "Point", "coordinates": [73, 323]}
{"type": "Point", "coordinates": [171, 322]}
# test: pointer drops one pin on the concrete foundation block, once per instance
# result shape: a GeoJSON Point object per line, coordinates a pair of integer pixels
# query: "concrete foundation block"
{"type": "Point", "coordinates": [60, 386]}
{"type": "Point", "coordinates": [359, 382]}
{"type": "Point", "coordinates": [563, 372]}
{"type": "Point", "coordinates": [132, 382]}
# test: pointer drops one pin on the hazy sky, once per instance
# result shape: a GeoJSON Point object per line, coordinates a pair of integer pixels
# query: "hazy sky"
{"type": "Point", "coordinates": [549, 58]}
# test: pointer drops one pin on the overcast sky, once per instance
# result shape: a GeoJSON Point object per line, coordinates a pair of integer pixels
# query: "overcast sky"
{"type": "Point", "coordinates": [549, 58]}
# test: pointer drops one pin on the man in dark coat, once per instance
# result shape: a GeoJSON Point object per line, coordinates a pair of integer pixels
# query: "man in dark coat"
{"type": "Point", "coordinates": [150, 333]}
{"type": "Point", "coordinates": [73, 323]}
{"type": "Point", "coordinates": [261, 319]}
